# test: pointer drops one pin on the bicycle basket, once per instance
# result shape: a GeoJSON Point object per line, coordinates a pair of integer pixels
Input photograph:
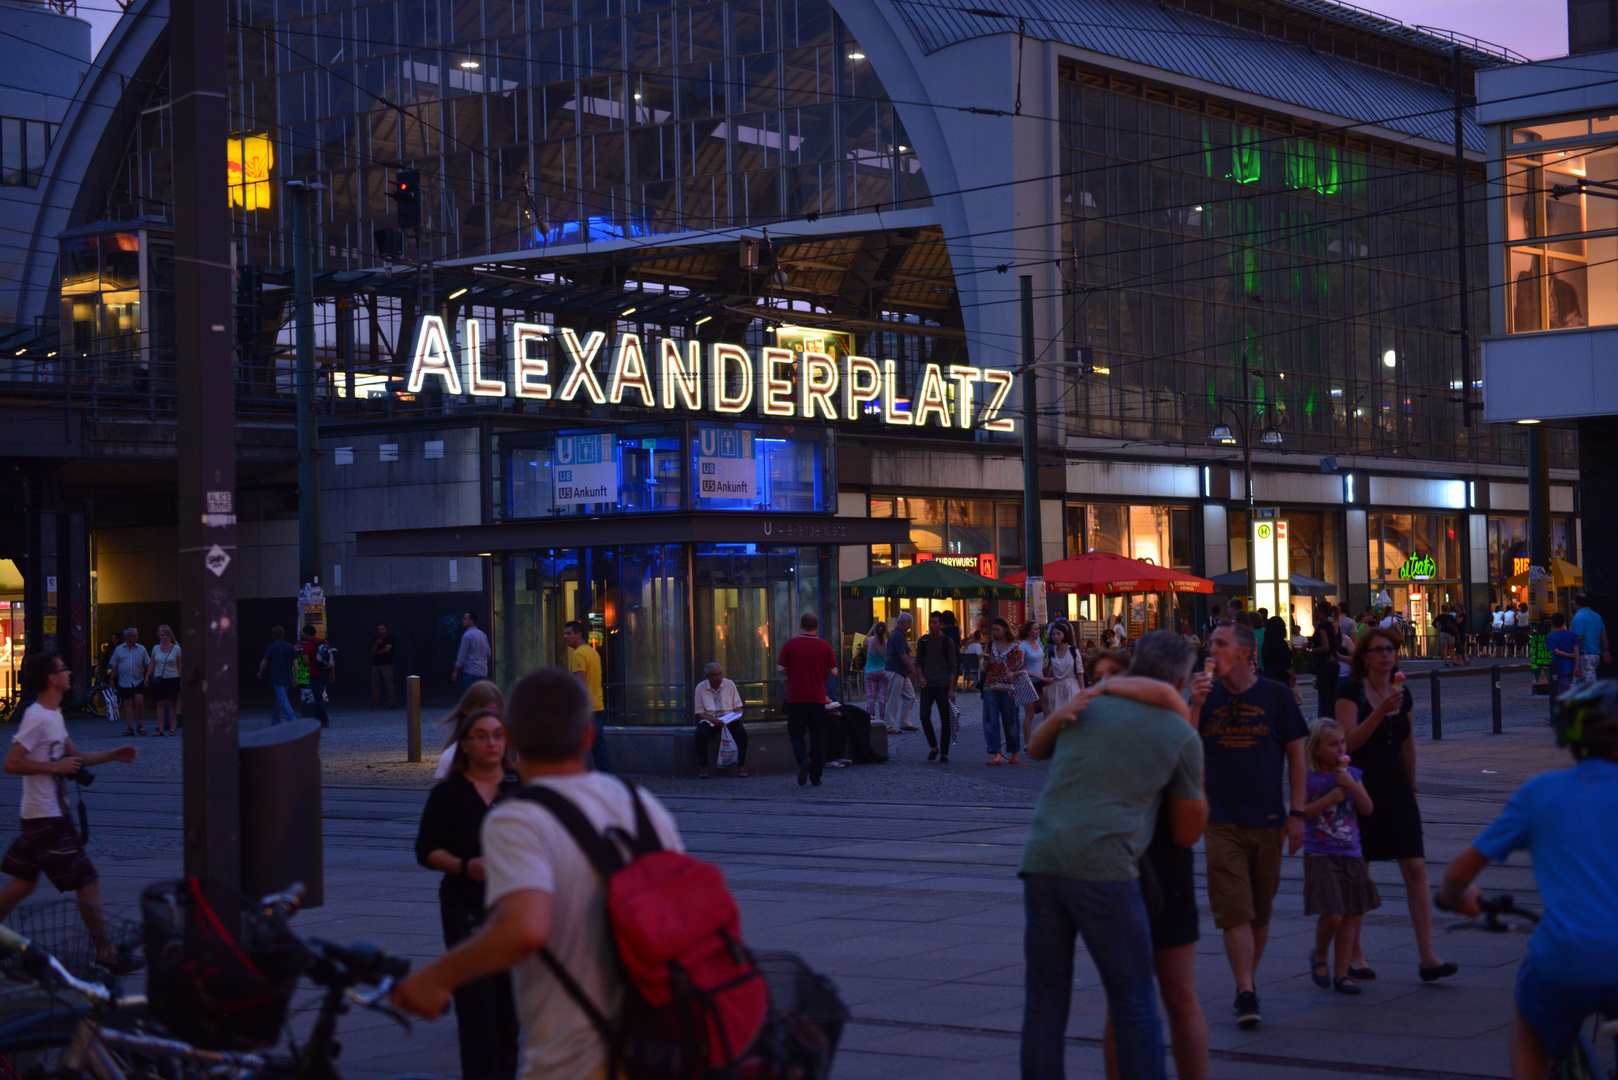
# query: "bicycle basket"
{"type": "Point", "coordinates": [61, 929]}
{"type": "Point", "coordinates": [221, 974]}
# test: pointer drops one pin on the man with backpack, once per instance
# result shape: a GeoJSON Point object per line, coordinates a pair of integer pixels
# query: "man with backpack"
{"type": "Point", "coordinates": [319, 661]}
{"type": "Point", "coordinates": [547, 852]}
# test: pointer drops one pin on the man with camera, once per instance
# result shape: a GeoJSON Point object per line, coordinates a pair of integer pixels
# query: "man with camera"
{"type": "Point", "coordinates": [43, 754]}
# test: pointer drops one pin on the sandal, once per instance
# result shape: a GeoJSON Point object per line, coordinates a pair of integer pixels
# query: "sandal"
{"type": "Point", "coordinates": [139, 730]}
{"type": "Point", "coordinates": [1346, 985]}
{"type": "Point", "coordinates": [1319, 972]}
{"type": "Point", "coordinates": [129, 731]}
{"type": "Point", "coordinates": [994, 760]}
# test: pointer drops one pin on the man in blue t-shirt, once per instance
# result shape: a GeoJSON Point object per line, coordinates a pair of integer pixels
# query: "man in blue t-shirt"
{"type": "Point", "coordinates": [277, 664]}
{"type": "Point", "coordinates": [1564, 646]}
{"type": "Point", "coordinates": [1251, 728]}
{"type": "Point", "coordinates": [1562, 819]}
{"type": "Point", "coordinates": [1592, 633]}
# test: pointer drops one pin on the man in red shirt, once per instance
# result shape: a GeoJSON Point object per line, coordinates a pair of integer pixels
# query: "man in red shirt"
{"type": "Point", "coordinates": [807, 662]}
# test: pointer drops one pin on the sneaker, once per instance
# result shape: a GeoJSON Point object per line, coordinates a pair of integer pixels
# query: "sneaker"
{"type": "Point", "coordinates": [1247, 1014]}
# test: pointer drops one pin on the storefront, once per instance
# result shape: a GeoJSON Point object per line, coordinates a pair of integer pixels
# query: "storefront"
{"type": "Point", "coordinates": [981, 535]}
{"type": "Point", "coordinates": [1160, 535]}
{"type": "Point", "coordinates": [1415, 569]}
{"type": "Point", "coordinates": [1508, 554]}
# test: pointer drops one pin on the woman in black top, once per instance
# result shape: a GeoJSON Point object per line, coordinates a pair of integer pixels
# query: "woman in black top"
{"type": "Point", "coordinates": [1373, 708]}
{"type": "Point", "coordinates": [1276, 655]}
{"type": "Point", "coordinates": [485, 1013]}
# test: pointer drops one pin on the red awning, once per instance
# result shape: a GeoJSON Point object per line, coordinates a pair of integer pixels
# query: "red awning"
{"type": "Point", "coordinates": [1103, 572]}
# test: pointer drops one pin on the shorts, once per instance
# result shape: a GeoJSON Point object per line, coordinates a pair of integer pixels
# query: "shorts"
{"type": "Point", "coordinates": [1446, 639]}
{"type": "Point", "coordinates": [51, 845]}
{"type": "Point", "coordinates": [1558, 1010]}
{"type": "Point", "coordinates": [1244, 873]}
{"type": "Point", "coordinates": [1588, 663]}
{"type": "Point", "coordinates": [1174, 923]}
{"type": "Point", "coordinates": [164, 690]}
{"type": "Point", "coordinates": [129, 693]}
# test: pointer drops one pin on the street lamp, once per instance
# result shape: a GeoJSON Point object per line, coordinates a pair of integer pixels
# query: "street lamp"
{"type": "Point", "coordinates": [1222, 434]}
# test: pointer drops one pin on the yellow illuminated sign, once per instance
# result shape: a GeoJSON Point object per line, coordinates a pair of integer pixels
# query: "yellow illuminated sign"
{"type": "Point", "coordinates": [249, 159]}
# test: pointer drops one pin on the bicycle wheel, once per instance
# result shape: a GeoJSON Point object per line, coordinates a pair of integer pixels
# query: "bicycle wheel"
{"type": "Point", "coordinates": [32, 1043]}
{"type": "Point", "coordinates": [1579, 1064]}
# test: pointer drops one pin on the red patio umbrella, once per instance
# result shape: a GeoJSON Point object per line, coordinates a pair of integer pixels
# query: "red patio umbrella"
{"type": "Point", "coordinates": [1103, 572]}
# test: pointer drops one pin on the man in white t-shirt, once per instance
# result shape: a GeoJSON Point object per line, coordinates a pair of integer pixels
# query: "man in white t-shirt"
{"type": "Point", "coordinates": [540, 888]}
{"type": "Point", "coordinates": [44, 756]}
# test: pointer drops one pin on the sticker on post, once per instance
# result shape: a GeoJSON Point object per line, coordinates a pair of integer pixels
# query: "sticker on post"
{"type": "Point", "coordinates": [216, 560]}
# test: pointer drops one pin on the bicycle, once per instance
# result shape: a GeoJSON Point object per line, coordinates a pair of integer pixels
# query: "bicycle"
{"type": "Point", "coordinates": [103, 1036]}
{"type": "Point", "coordinates": [1582, 1061]}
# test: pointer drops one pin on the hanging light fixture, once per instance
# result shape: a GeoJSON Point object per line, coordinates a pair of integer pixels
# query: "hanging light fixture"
{"type": "Point", "coordinates": [1271, 437]}
{"type": "Point", "coordinates": [1222, 434]}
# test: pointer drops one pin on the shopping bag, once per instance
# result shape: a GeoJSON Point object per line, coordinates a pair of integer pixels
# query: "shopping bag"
{"type": "Point", "coordinates": [727, 747]}
{"type": "Point", "coordinates": [1022, 690]}
{"type": "Point", "coordinates": [954, 724]}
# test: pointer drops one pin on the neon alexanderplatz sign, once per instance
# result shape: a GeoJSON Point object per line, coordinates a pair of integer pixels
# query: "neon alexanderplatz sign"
{"type": "Point", "coordinates": [778, 382]}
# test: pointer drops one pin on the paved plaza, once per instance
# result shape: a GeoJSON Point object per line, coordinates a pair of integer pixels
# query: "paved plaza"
{"type": "Point", "coordinates": [899, 881]}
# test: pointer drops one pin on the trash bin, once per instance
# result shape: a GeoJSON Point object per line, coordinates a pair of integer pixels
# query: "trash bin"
{"type": "Point", "coordinates": [280, 807]}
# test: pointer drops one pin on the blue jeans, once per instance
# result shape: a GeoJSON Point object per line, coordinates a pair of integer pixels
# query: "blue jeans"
{"type": "Point", "coordinates": [600, 761]}
{"type": "Point", "coordinates": [1000, 710]}
{"type": "Point", "coordinates": [283, 707]}
{"type": "Point", "coordinates": [467, 679]}
{"type": "Point", "coordinates": [1111, 917]}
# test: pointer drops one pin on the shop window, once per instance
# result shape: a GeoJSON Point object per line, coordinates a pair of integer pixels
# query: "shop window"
{"type": "Point", "coordinates": [1008, 531]}
{"type": "Point", "coordinates": [1073, 529]}
{"type": "Point", "coordinates": [1109, 528]}
{"type": "Point", "coordinates": [971, 527]}
{"type": "Point", "coordinates": [927, 523]}
{"type": "Point", "coordinates": [1562, 239]}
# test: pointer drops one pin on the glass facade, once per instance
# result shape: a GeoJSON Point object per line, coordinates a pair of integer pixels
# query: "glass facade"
{"type": "Point", "coordinates": [118, 308]}
{"type": "Point", "coordinates": [642, 469]}
{"type": "Point", "coordinates": [1214, 237]}
{"type": "Point", "coordinates": [542, 122]}
{"type": "Point", "coordinates": [1160, 535]}
{"type": "Point", "coordinates": [942, 526]}
{"type": "Point", "coordinates": [23, 147]}
{"type": "Point", "coordinates": [1561, 232]}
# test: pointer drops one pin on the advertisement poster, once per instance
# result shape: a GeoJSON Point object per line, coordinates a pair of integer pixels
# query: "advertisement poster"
{"type": "Point", "coordinates": [726, 468]}
{"type": "Point", "coordinates": [801, 339]}
{"type": "Point", "coordinates": [585, 470]}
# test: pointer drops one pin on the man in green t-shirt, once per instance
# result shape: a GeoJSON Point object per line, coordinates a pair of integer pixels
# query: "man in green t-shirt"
{"type": "Point", "coordinates": [1095, 818]}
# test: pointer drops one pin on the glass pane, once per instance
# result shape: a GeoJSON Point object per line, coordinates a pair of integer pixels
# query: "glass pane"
{"type": "Point", "coordinates": [926, 524]}
{"type": "Point", "coordinates": [1568, 292]}
{"type": "Point", "coordinates": [1008, 523]}
{"type": "Point", "coordinates": [744, 601]}
{"type": "Point", "coordinates": [1566, 129]}
{"type": "Point", "coordinates": [1149, 534]}
{"type": "Point", "coordinates": [1109, 528]}
{"type": "Point", "coordinates": [1526, 279]}
{"type": "Point", "coordinates": [647, 679]}
{"type": "Point", "coordinates": [745, 468]}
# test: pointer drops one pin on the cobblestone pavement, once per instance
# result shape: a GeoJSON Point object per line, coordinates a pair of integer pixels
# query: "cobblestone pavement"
{"type": "Point", "coordinates": [899, 881]}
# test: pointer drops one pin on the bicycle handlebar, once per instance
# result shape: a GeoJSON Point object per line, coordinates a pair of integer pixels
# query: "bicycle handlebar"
{"type": "Point", "coordinates": [41, 962]}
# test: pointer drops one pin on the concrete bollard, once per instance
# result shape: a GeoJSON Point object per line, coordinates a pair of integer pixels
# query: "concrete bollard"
{"type": "Point", "coordinates": [413, 718]}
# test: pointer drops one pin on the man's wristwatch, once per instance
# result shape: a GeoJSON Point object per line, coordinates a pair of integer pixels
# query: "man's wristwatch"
{"type": "Point", "coordinates": [1299, 814]}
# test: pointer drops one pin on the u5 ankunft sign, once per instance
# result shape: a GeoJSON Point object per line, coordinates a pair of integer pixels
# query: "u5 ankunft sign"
{"type": "Point", "coordinates": [778, 383]}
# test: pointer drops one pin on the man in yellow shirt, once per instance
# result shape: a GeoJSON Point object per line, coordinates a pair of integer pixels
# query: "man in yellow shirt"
{"type": "Point", "coordinates": [585, 662]}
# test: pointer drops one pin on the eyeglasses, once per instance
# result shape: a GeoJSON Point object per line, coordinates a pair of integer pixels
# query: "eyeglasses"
{"type": "Point", "coordinates": [1381, 649]}
{"type": "Point", "coordinates": [487, 736]}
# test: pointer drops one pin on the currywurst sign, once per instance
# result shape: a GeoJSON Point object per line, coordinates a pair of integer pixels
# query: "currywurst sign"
{"type": "Point", "coordinates": [778, 383]}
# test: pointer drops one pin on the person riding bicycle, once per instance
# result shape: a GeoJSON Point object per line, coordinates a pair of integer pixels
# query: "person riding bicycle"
{"type": "Point", "coordinates": [1563, 820]}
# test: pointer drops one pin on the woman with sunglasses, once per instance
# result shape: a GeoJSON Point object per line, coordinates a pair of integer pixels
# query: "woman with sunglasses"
{"type": "Point", "coordinates": [1373, 709]}
{"type": "Point", "coordinates": [448, 841]}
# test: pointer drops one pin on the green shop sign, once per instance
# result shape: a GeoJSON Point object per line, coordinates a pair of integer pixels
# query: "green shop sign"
{"type": "Point", "coordinates": [1418, 568]}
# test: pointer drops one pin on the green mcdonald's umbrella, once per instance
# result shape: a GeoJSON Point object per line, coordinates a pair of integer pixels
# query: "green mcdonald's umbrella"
{"type": "Point", "coordinates": [931, 580]}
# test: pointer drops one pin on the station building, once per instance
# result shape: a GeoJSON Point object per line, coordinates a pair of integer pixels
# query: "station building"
{"type": "Point", "coordinates": [749, 273]}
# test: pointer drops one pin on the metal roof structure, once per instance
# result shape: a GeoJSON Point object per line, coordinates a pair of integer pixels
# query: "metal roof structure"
{"type": "Point", "coordinates": [1175, 40]}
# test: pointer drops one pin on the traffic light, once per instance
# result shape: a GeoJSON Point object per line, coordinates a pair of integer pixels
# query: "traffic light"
{"type": "Point", "coordinates": [407, 194]}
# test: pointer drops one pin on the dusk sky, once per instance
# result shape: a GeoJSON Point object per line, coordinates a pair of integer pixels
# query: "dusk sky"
{"type": "Point", "coordinates": [1535, 28]}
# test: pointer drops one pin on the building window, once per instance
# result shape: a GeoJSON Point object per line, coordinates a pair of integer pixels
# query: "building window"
{"type": "Point", "coordinates": [957, 527]}
{"type": "Point", "coordinates": [1561, 226]}
{"type": "Point", "coordinates": [1160, 535]}
{"type": "Point", "coordinates": [23, 146]}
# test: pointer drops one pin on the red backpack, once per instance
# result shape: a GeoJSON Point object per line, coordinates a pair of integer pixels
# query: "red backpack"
{"type": "Point", "coordinates": [694, 998]}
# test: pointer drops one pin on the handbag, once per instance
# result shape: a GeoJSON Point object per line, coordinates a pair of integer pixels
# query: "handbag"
{"type": "Point", "coordinates": [1022, 689]}
{"type": "Point", "coordinates": [954, 724]}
